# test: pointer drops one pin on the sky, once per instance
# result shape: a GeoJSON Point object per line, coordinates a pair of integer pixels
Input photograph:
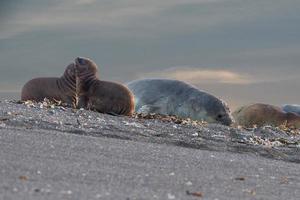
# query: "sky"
{"type": "Point", "coordinates": [240, 51]}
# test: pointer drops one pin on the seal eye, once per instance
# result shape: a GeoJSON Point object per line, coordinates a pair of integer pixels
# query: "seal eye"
{"type": "Point", "coordinates": [219, 116]}
{"type": "Point", "coordinates": [81, 61]}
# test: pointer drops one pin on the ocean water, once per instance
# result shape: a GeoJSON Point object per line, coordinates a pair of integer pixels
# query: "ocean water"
{"type": "Point", "coordinates": [10, 95]}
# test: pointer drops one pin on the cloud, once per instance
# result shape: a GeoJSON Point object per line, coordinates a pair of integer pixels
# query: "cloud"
{"type": "Point", "coordinates": [136, 17]}
{"type": "Point", "coordinates": [196, 76]}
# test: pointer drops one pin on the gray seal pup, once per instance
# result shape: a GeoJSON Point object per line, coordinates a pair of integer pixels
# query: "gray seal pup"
{"type": "Point", "coordinates": [264, 114]}
{"type": "Point", "coordinates": [291, 108]}
{"type": "Point", "coordinates": [102, 96]}
{"type": "Point", "coordinates": [173, 97]}
{"type": "Point", "coordinates": [54, 88]}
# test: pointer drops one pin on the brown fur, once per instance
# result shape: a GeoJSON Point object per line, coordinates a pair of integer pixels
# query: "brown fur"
{"type": "Point", "coordinates": [60, 89]}
{"type": "Point", "coordinates": [264, 114]}
{"type": "Point", "coordinates": [102, 96]}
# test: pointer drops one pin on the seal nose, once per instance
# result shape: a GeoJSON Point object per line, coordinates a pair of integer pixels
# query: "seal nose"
{"type": "Point", "coordinates": [229, 121]}
{"type": "Point", "coordinates": [81, 61]}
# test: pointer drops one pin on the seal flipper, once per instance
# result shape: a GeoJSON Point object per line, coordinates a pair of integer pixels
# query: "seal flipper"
{"type": "Point", "coordinates": [146, 109]}
{"type": "Point", "coordinates": [113, 114]}
{"type": "Point", "coordinates": [83, 102]}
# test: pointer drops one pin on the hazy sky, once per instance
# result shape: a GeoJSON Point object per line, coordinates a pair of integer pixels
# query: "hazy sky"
{"type": "Point", "coordinates": [240, 50]}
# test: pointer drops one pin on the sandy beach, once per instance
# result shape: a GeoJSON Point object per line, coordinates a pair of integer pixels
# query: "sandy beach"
{"type": "Point", "coordinates": [52, 152]}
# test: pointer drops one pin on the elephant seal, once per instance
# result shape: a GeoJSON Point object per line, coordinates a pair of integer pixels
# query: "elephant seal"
{"type": "Point", "coordinates": [102, 96]}
{"type": "Point", "coordinates": [264, 114]}
{"type": "Point", "coordinates": [60, 89]}
{"type": "Point", "coordinates": [173, 97]}
{"type": "Point", "coordinates": [291, 108]}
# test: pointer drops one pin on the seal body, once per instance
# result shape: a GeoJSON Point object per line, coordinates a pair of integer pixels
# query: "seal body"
{"type": "Point", "coordinates": [291, 108]}
{"type": "Point", "coordinates": [173, 97]}
{"type": "Point", "coordinates": [102, 96]}
{"type": "Point", "coordinates": [264, 114]}
{"type": "Point", "coordinates": [60, 89]}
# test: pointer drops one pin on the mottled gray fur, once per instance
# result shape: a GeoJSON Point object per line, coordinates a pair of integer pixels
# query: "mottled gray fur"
{"type": "Point", "coordinates": [291, 108]}
{"type": "Point", "coordinates": [173, 97]}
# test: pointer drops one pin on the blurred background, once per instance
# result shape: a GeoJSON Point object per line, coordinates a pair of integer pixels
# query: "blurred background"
{"type": "Point", "coordinates": [241, 51]}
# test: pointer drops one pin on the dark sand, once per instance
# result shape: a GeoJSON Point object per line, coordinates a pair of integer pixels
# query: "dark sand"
{"type": "Point", "coordinates": [61, 153]}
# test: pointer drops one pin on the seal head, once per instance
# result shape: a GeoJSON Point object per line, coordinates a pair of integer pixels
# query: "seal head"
{"type": "Point", "coordinates": [86, 68]}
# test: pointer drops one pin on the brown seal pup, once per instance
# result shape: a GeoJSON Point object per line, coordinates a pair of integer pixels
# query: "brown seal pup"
{"type": "Point", "coordinates": [102, 96]}
{"type": "Point", "coordinates": [59, 89]}
{"type": "Point", "coordinates": [263, 114]}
